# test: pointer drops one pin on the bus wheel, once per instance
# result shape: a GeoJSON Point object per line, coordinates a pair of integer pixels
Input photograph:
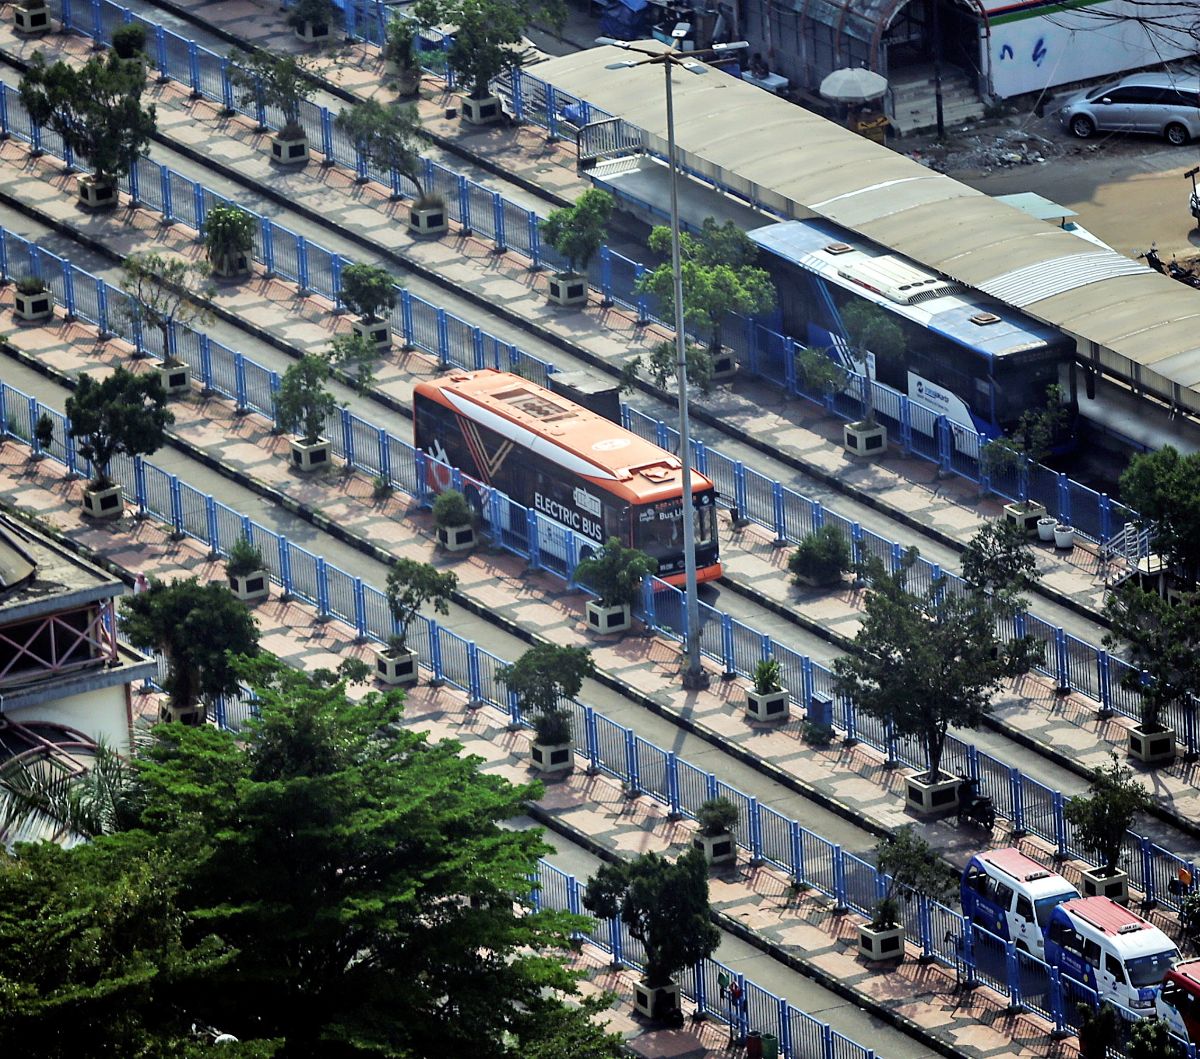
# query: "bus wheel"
{"type": "Point", "coordinates": [586, 552]}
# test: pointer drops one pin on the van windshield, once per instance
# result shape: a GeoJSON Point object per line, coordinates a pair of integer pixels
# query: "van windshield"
{"type": "Point", "coordinates": [1146, 971]}
{"type": "Point", "coordinates": [1045, 905]}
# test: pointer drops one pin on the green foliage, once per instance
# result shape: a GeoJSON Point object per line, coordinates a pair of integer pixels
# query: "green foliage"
{"type": "Point", "coordinates": [358, 357]}
{"type": "Point", "coordinates": [665, 906]}
{"type": "Point", "coordinates": [717, 816]}
{"type": "Point", "coordinates": [1107, 811]}
{"type": "Point", "coordinates": [1189, 916]}
{"type": "Point", "coordinates": [314, 12]}
{"type": "Point", "coordinates": [199, 628]}
{"type": "Point", "coordinates": [96, 109]}
{"type": "Point", "coordinates": [819, 371]}
{"type": "Point", "coordinates": [767, 672]}
{"type": "Point", "coordinates": [381, 488]}
{"type": "Point", "coordinates": [552, 727]}
{"type": "Point", "coordinates": [1030, 440]}
{"type": "Point", "coordinates": [719, 277]}
{"type": "Point", "coordinates": [303, 403]}
{"type": "Point", "coordinates": [1164, 488]}
{"type": "Point", "coordinates": [411, 585]}
{"type": "Point", "coordinates": [914, 867]}
{"type": "Point", "coordinates": [488, 33]}
{"type": "Point", "coordinates": [1160, 639]}
{"type": "Point", "coordinates": [615, 573]}
{"type": "Point", "coordinates": [816, 734]}
{"type": "Point", "coordinates": [1151, 1039]}
{"type": "Point", "coordinates": [163, 288]}
{"type": "Point", "coordinates": [578, 231]}
{"type": "Point", "coordinates": [402, 48]}
{"type": "Point", "coordinates": [275, 80]}
{"type": "Point", "coordinates": [43, 431]}
{"type": "Point", "coordinates": [391, 137]}
{"type": "Point", "coordinates": [872, 329]}
{"type": "Point", "coordinates": [547, 673]}
{"type": "Point", "coordinates": [822, 556]}
{"type": "Point", "coordinates": [1099, 1029]}
{"type": "Point", "coordinates": [244, 558]}
{"type": "Point", "coordinates": [999, 564]}
{"type": "Point", "coordinates": [228, 231]}
{"type": "Point", "coordinates": [661, 364]}
{"type": "Point", "coordinates": [367, 290]}
{"type": "Point", "coordinates": [924, 661]}
{"type": "Point", "coordinates": [451, 509]}
{"type": "Point", "coordinates": [31, 285]}
{"type": "Point", "coordinates": [123, 415]}
{"type": "Point", "coordinates": [129, 40]}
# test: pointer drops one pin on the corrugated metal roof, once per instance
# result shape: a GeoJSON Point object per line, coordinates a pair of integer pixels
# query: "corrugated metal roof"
{"type": "Point", "coordinates": [1033, 283]}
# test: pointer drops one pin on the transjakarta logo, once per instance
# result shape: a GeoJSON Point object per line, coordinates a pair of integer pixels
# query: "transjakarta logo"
{"type": "Point", "coordinates": [568, 516]}
{"type": "Point", "coordinates": [932, 395]}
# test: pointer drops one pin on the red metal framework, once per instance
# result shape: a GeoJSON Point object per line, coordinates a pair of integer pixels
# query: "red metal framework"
{"type": "Point", "coordinates": [58, 643]}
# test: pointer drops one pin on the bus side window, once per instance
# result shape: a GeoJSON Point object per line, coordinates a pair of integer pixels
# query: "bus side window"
{"type": "Point", "coordinates": [975, 879]}
{"type": "Point", "coordinates": [1171, 994]}
{"type": "Point", "coordinates": [1091, 953]}
{"type": "Point", "coordinates": [1114, 967]}
{"type": "Point", "coordinates": [991, 891]}
{"type": "Point", "coordinates": [1025, 908]}
{"type": "Point", "coordinates": [1004, 896]}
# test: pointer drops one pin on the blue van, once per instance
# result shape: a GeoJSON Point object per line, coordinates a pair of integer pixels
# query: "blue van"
{"type": "Point", "coordinates": [1012, 896]}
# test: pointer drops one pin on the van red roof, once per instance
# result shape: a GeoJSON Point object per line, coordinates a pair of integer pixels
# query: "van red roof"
{"type": "Point", "coordinates": [1190, 970]}
{"type": "Point", "coordinates": [1105, 914]}
{"type": "Point", "coordinates": [1014, 863]}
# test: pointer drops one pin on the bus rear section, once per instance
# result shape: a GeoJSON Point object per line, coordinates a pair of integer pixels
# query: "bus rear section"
{"type": "Point", "coordinates": [576, 469]}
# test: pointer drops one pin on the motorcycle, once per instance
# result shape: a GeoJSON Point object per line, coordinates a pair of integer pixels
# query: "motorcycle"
{"type": "Point", "coordinates": [1172, 268]}
{"type": "Point", "coordinates": [975, 808]}
{"type": "Point", "coordinates": [1194, 198]}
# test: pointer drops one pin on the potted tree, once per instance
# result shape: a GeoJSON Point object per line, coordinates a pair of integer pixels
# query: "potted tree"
{"type": "Point", "coordinates": [129, 41]}
{"type": "Point", "coordinates": [577, 232]}
{"type": "Point", "coordinates": [1151, 1039]}
{"type": "Point", "coordinates": [162, 290]}
{"type": "Point", "coordinates": [283, 82]}
{"type": "Point", "coordinates": [921, 663]}
{"type": "Point", "coordinates": [199, 629]}
{"type": "Point", "coordinates": [368, 290]}
{"type": "Point", "coordinates": [665, 906]}
{"type": "Point", "coordinates": [821, 558]}
{"type": "Point", "coordinates": [311, 20]}
{"type": "Point", "coordinates": [872, 334]}
{"type": "Point", "coordinates": [1161, 642]}
{"type": "Point", "coordinates": [1100, 819]}
{"type": "Point", "coordinates": [357, 357]}
{"type": "Point", "coordinates": [125, 415]}
{"type": "Point", "coordinates": [716, 817]}
{"type": "Point", "coordinates": [1099, 1030]}
{"type": "Point", "coordinates": [31, 16]}
{"type": "Point", "coordinates": [615, 574]}
{"type": "Point", "coordinates": [390, 138]}
{"type": "Point", "coordinates": [819, 372]}
{"type": "Point", "coordinates": [303, 405]}
{"type": "Point", "coordinates": [662, 364]}
{"type": "Point", "coordinates": [1164, 488]}
{"type": "Point", "coordinates": [403, 53]}
{"type": "Point", "coordinates": [96, 109]}
{"type": "Point", "coordinates": [43, 436]}
{"type": "Point", "coordinates": [410, 585]}
{"type": "Point", "coordinates": [454, 521]}
{"type": "Point", "coordinates": [33, 301]}
{"type": "Point", "coordinates": [1028, 444]}
{"type": "Point", "coordinates": [541, 679]}
{"type": "Point", "coordinates": [719, 277]}
{"type": "Point", "coordinates": [228, 240]}
{"type": "Point", "coordinates": [246, 570]}
{"type": "Point", "coordinates": [912, 869]}
{"type": "Point", "coordinates": [768, 699]}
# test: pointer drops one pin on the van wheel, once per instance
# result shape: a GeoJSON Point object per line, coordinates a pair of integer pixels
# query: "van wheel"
{"type": "Point", "coordinates": [1176, 134]}
{"type": "Point", "coordinates": [1022, 947]}
{"type": "Point", "coordinates": [1082, 126]}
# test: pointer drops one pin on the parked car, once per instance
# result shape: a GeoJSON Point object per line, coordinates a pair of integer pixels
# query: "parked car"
{"type": "Point", "coordinates": [1012, 896]}
{"type": "Point", "coordinates": [1151, 103]}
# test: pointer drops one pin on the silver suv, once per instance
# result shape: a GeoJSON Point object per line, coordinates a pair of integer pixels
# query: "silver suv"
{"type": "Point", "coordinates": [1153, 103]}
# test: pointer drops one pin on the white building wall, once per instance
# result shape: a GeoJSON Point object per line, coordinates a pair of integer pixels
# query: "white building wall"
{"type": "Point", "coordinates": [102, 714]}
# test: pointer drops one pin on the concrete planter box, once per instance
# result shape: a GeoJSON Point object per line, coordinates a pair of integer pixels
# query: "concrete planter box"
{"type": "Point", "coordinates": [608, 619]}
{"type": "Point", "coordinates": [193, 716]}
{"type": "Point", "coordinates": [251, 586]}
{"type": "Point", "coordinates": [312, 32]}
{"type": "Point", "coordinates": [96, 194]}
{"type": "Point", "coordinates": [456, 538]}
{"type": "Point", "coordinates": [428, 220]}
{"type": "Point", "coordinates": [32, 19]}
{"type": "Point", "coordinates": [877, 945]}
{"type": "Point", "coordinates": [316, 456]}
{"type": "Point", "coordinates": [931, 800]}
{"type": "Point", "coordinates": [1114, 887]}
{"type": "Point", "coordinates": [482, 111]}
{"type": "Point", "coordinates": [33, 308]}
{"type": "Point", "coordinates": [1045, 528]}
{"type": "Point", "coordinates": [1155, 747]}
{"type": "Point", "coordinates": [772, 706]}
{"type": "Point", "coordinates": [655, 1002]}
{"type": "Point", "coordinates": [408, 83]}
{"type": "Point", "coordinates": [551, 759]}
{"type": "Point", "coordinates": [717, 849]}
{"type": "Point", "coordinates": [1064, 537]}
{"type": "Point", "coordinates": [861, 440]}
{"type": "Point", "coordinates": [230, 266]}
{"type": "Point", "coordinates": [103, 503]}
{"type": "Point", "coordinates": [724, 365]}
{"type": "Point", "coordinates": [1025, 516]}
{"type": "Point", "coordinates": [568, 289]}
{"type": "Point", "coordinates": [376, 332]}
{"type": "Point", "coordinates": [175, 378]}
{"type": "Point", "coordinates": [289, 150]}
{"type": "Point", "coordinates": [396, 667]}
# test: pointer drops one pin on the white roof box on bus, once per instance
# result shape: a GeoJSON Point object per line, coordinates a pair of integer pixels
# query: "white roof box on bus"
{"type": "Point", "coordinates": [898, 280]}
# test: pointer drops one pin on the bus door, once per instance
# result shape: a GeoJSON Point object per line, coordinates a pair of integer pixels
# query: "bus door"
{"type": "Point", "coordinates": [1065, 950]}
{"type": "Point", "coordinates": [986, 901]}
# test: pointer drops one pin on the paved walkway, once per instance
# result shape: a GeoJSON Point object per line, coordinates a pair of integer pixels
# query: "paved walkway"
{"type": "Point", "coordinates": [757, 412]}
{"type": "Point", "coordinates": [1029, 706]}
{"type": "Point", "coordinates": [802, 925]}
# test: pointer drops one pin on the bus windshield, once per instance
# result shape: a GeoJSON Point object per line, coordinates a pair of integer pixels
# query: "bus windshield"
{"type": "Point", "coordinates": [1145, 971]}
{"type": "Point", "coordinates": [1045, 905]}
{"type": "Point", "coordinates": [660, 529]}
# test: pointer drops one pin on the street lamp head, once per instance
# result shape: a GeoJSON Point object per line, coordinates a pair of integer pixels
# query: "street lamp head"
{"type": "Point", "coordinates": [693, 67]}
{"type": "Point", "coordinates": [624, 64]}
{"type": "Point", "coordinates": [681, 30]}
{"type": "Point", "coordinates": [612, 42]}
{"type": "Point", "coordinates": [733, 45]}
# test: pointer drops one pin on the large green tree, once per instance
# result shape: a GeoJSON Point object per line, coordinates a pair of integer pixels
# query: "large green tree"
{"type": "Point", "coordinates": [125, 414]}
{"type": "Point", "coordinates": [1164, 488]}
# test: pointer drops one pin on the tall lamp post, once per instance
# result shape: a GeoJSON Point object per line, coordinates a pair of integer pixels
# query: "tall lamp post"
{"type": "Point", "coordinates": [693, 674]}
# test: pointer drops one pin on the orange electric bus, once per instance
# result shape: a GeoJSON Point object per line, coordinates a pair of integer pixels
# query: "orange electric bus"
{"type": "Point", "coordinates": [565, 462]}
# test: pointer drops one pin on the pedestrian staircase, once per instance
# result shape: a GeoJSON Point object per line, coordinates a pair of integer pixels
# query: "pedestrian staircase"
{"type": "Point", "coordinates": [914, 100]}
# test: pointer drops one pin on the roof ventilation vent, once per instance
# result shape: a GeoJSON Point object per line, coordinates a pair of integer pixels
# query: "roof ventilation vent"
{"type": "Point", "coordinates": [983, 319]}
{"type": "Point", "coordinates": [838, 248]}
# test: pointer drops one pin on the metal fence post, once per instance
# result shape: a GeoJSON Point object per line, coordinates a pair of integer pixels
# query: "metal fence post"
{"type": "Point", "coordinates": [176, 507]}
{"type": "Point", "coordinates": [1149, 887]}
{"type": "Point", "coordinates": [535, 243]}
{"type": "Point", "coordinates": [285, 565]}
{"type": "Point", "coordinates": [464, 204]}
{"type": "Point", "coordinates": [239, 375]}
{"type": "Point", "coordinates": [360, 609]}
{"type": "Point", "coordinates": [606, 297]}
{"type": "Point", "coordinates": [1062, 664]}
{"type": "Point", "coordinates": [593, 739]}
{"type": "Point", "coordinates": [498, 221]}
{"type": "Point", "coordinates": [755, 823]}
{"type": "Point", "coordinates": [1060, 825]}
{"type": "Point", "coordinates": [727, 645]}
{"type": "Point", "coordinates": [673, 783]}
{"type": "Point", "coordinates": [302, 264]}
{"type": "Point", "coordinates": [795, 833]}
{"type": "Point", "coordinates": [268, 244]}
{"type": "Point", "coordinates": [1016, 786]}
{"type": "Point", "coordinates": [435, 652]}
{"type": "Point", "coordinates": [839, 880]}
{"type": "Point", "coordinates": [194, 74]}
{"type": "Point", "coordinates": [1057, 1014]}
{"type": "Point", "coordinates": [139, 484]}
{"type": "Point", "coordinates": [474, 676]}
{"type": "Point", "coordinates": [1013, 973]}
{"type": "Point", "coordinates": [322, 589]}
{"type": "Point", "coordinates": [348, 438]}
{"type": "Point", "coordinates": [631, 762]}
{"type": "Point", "coordinates": [443, 339]}
{"type": "Point", "coordinates": [68, 276]}
{"type": "Point", "coordinates": [212, 527]}
{"type": "Point", "coordinates": [533, 539]}
{"type": "Point", "coordinates": [780, 515]}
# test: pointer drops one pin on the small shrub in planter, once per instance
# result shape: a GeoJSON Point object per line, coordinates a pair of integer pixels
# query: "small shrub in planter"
{"type": "Point", "coordinates": [410, 586]}
{"type": "Point", "coordinates": [247, 571]}
{"type": "Point", "coordinates": [303, 404]}
{"type": "Point", "coordinates": [311, 20]}
{"type": "Point", "coordinates": [403, 53]}
{"type": "Point", "coordinates": [281, 82]}
{"type": "Point", "coordinates": [716, 818]}
{"type": "Point", "coordinates": [1101, 818]}
{"type": "Point", "coordinates": [542, 678]}
{"type": "Point", "coordinates": [129, 42]}
{"type": "Point", "coordinates": [577, 232]}
{"type": "Point", "coordinates": [368, 291]}
{"type": "Point", "coordinates": [454, 520]}
{"type": "Point", "coordinates": [1099, 1029]}
{"type": "Point", "coordinates": [32, 300]}
{"type": "Point", "coordinates": [43, 434]}
{"type": "Point", "coordinates": [816, 734]}
{"type": "Point", "coordinates": [380, 488]}
{"type": "Point", "coordinates": [914, 870]}
{"type": "Point", "coordinates": [768, 699]}
{"type": "Point", "coordinates": [228, 240]}
{"type": "Point", "coordinates": [821, 558]}
{"type": "Point", "coordinates": [615, 574]}
{"type": "Point", "coordinates": [1151, 1039]}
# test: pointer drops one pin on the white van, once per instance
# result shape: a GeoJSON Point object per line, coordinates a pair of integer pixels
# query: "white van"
{"type": "Point", "coordinates": [1012, 896]}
